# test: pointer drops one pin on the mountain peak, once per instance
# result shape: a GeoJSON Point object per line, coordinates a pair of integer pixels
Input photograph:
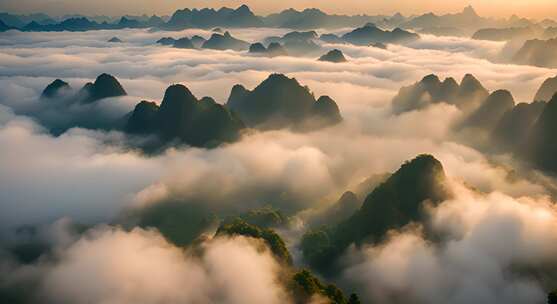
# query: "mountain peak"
{"type": "Point", "coordinates": [177, 93]}
{"type": "Point", "coordinates": [278, 102]}
{"type": "Point", "coordinates": [110, 84]}
{"type": "Point", "coordinates": [55, 88]}
{"type": "Point", "coordinates": [491, 111]}
{"type": "Point", "coordinates": [431, 78]}
{"type": "Point", "coordinates": [393, 204]}
{"type": "Point", "coordinates": [243, 8]}
{"type": "Point", "coordinates": [105, 86]}
{"type": "Point", "coordinates": [469, 10]}
{"type": "Point", "coordinates": [471, 82]}
{"type": "Point", "coordinates": [326, 110]}
{"type": "Point", "coordinates": [335, 56]}
{"type": "Point", "coordinates": [547, 89]}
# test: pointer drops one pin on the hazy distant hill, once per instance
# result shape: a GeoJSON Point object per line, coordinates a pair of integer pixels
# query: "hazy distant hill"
{"type": "Point", "coordinates": [458, 24]}
{"type": "Point", "coordinates": [19, 21]}
{"type": "Point", "coordinates": [547, 90]}
{"type": "Point", "coordinates": [370, 33]}
{"type": "Point", "coordinates": [225, 42]}
{"type": "Point", "coordinates": [207, 18]}
{"type": "Point", "coordinates": [313, 18]}
{"type": "Point", "coordinates": [466, 21]}
{"type": "Point", "coordinates": [502, 34]}
{"type": "Point", "coordinates": [542, 53]}
{"type": "Point", "coordinates": [4, 27]}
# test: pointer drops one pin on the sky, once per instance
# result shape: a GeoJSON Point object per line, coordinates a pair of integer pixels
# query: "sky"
{"type": "Point", "coordinates": [538, 9]}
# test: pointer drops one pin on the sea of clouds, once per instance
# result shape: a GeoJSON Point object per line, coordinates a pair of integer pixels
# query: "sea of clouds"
{"type": "Point", "coordinates": [89, 177]}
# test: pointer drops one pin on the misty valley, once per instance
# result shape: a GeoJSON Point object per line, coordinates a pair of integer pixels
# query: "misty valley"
{"type": "Point", "coordinates": [221, 155]}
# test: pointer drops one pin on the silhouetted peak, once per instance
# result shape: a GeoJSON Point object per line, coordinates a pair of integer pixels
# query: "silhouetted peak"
{"type": "Point", "coordinates": [166, 41]}
{"type": "Point", "coordinates": [303, 36]}
{"type": "Point", "coordinates": [431, 78]}
{"type": "Point", "coordinates": [450, 82]}
{"type": "Point", "coordinates": [225, 42]}
{"type": "Point", "coordinates": [115, 40]}
{"type": "Point", "coordinates": [238, 88]}
{"type": "Point", "coordinates": [197, 41]}
{"type": "Point", "coordinates": [422, 164]}
{"type": "Point", "coordinates": [469, 11]}
{"type": "Point", "coordinates": [348, 197]}
{"type": "Point", "coordinates": [491, 111]}
{"type": "Point", "coordinates": [105, 86]}
{"type": "Point", "coordinates": [425, 175]}
{"type": "Point", "coordinates": [501, 96]}
{"type": "Point", "coordinates": [55, 88]}
{"type": "Point", "coordinates": [333, 56]}
{"type": "Point", "coordinates": [277, 102]}
{"type": "Point", "coordinates": [276, 81]}
{"type": "Point", "coordinates": [109, 86]}
{"type": "Point", "coordinates": [513, 128]}
{"type": "Point", "coordinates": [257, 48]}
{"type": "Point", "coordinates": [183, 43]}
{"type": "Point", "coordinates": [370, 25]}
{"type": "Point", "coordinates": [469, 82]}
{"type": "Point", "coordinates": [143, 118]}
{"type": "Point", "coordinates": [420, 179]}
{"type": "Point", "coordinates": [313, 10]}
{"type": "Point", "coordinates": [540, 148]}
{"type": "Point", "coordinates": [177, 93]}
{"type": "Point", "coordinates": [327, 109]}
{"type": "Point", "coordinates": [546, 90]}
{"type": "Point", "coordinates": [370, 33]}
{"type": "Point", "coordinates": [276, 49]}
{"type": "Point", "coordinates": [449, 89]}
{"type": "Point", "coordinates": [325, 100]}
{"type": "Point", "coordinates": [237, 95]}
{"type": "Point", "coordinates": [87, 86]}
{"type": "Point", "coordinates": [243, 9]}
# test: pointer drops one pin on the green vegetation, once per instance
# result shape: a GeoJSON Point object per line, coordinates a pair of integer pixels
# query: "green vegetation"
{"type": "Point", "coordinates": [392, 205]}
{"type": "Point", "coordinates": [201, 123]}
{"type": "Point", "coordinates": [302, 284]}
{"type": "Point", "coordinates": [306, 285]}
{"type": "Point", "coordinates": [280, 102]}
{"type": "Point", "coordinates": [271, 238]}
{"type": "Point", "coordinates": [265, 217]}
{"type": "Point", "coordinates": [179, 222]}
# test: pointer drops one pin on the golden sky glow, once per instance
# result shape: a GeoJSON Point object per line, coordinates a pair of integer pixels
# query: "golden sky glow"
{"type": "Point", "coordinates": [500, 8]}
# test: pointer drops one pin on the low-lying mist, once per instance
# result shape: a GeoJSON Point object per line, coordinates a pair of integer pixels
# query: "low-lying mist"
{"type": "Point", "coordinates": [496, 246]}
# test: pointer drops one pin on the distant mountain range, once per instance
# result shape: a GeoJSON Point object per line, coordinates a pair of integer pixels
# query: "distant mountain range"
{"type": "Point", "coordinates": [467, 21]}
{"type": "Point", "coordinates": [181, 118]}
{"type": "Point", "coordinates": [522, 129]}
{"type": "Point", "coordinates": [542, 53]}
